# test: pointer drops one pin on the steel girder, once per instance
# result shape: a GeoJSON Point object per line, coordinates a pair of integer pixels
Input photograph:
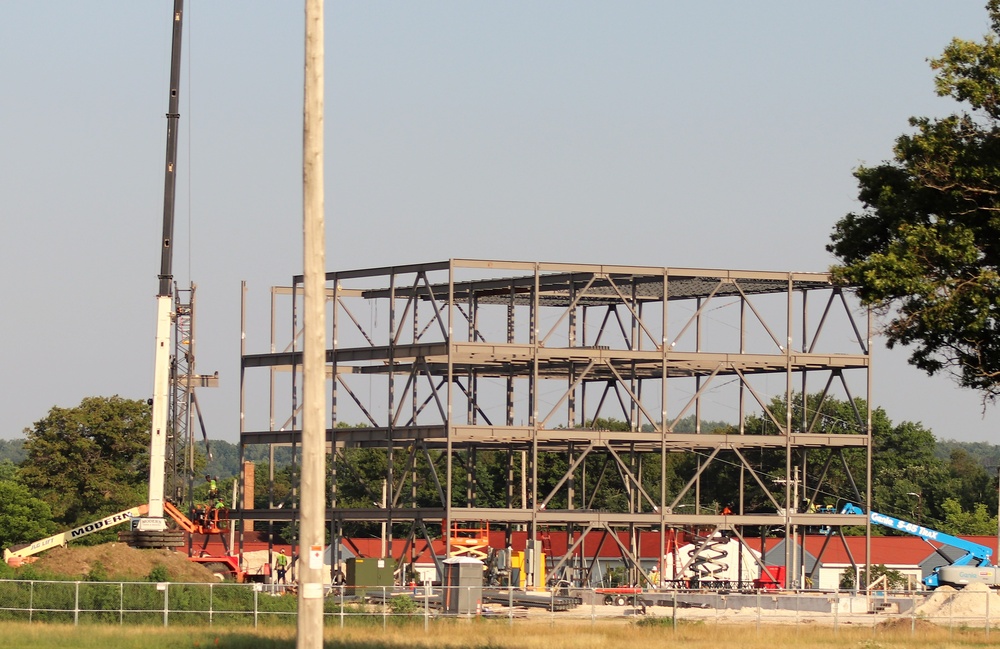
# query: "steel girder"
{"type": "Point", "coordinates": [467, 360]}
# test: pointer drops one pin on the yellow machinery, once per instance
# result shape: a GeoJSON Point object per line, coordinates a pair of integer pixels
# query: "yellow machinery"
{"type": "Point", "coordinates": [520, 561]}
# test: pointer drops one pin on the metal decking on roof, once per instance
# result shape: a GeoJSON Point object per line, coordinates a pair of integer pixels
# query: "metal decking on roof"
{"type": "Point", "coordinates": [594, 289]}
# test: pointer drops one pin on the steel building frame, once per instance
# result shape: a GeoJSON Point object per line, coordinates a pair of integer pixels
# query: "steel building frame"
{"type": "Point", "coordinates": [526, 359]}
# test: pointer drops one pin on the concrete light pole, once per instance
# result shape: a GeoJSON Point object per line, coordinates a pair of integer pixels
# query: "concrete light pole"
{"type": "Point", "coordinates": [313, 502]}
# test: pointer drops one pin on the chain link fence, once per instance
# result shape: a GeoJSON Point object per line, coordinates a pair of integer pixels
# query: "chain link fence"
{"type": "Point", "coordinates": [256, 604]}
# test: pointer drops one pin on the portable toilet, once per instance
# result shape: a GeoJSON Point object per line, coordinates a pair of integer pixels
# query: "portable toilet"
{"type": "Point", "coordinates": [463, 585]}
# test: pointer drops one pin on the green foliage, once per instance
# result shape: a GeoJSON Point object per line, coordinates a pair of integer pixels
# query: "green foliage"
{"type": "Point", "coordinates": [23, 518]}
{"type": "Point", "coordinates": [8, 470]}
{"type": "Point", "coordinates": [97, 572]}
{"type": "Point", "coordinates": [895, 580]}
{"type": "Point", "coordinates": [158, 573]}
{"type": "Point", "coordinates": [90, 460]}
{"type": "Point", "coordinates": [958, 520]}
{"type": "Point", "coordinates": [986, 454]}
{"type": "Point", "coordinates": [690, 424]}
{"type": "Point", "coordinates": [12, 451]}
{"type": "Point", "coordinates": [225, 461]}
{"type": "Point", "coordinates": [925, 251]}
{"type": "Point", "coordinates": [403, 605]}
{"type": "Point", "coordinates": [909, 479]}
{"type": "Point", "coordinates": [616, 576]}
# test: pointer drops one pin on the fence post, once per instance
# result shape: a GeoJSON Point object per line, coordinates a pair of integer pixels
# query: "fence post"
{"type": "Point", "coordinates": [255, 596]}
{"type": "Point", "coordinates": [342, 589]}
{"type": "Point", "coordinates": [166, 604]}
{"type": "Point", "coordinates": [76, 605]}
{"type": "Point", "coordinates": [427, 597]}
{"type": "Point", "coordinates": [951, 618]}
{"type": "Point", "coordinates": [987, 596]}
{"type": "Point", "coordinates": [758, 612]}
{"type": "Point", "coordinates": [211, 603]}
{"type": "Point", "coordinates": [121, 603]}
{"type": "Point", "coordinates": [385, 607]}
{"type": "Point", "coordinates": [510, 602]}
{"type": "Point", "coordinates": [913, 614]}
{"type": "Point", "coordinates": [674, 611]}
{"type": "Point", "coordinates": [836, 612]}
{"type": "Point", "coordinates": [31, 602]}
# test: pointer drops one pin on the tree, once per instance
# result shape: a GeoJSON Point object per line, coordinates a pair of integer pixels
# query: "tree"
{"type": "Point", "coordinates": [23, 518]}
{"type": "Point", "coordinates": [909, 480]}
{"type": "Point", "coordinates": [925, 251]}
{"type": "Point", "coordinates": [894, 579]}
{"type": "Point", "coordinates": [90, 460]}
{"type": "Point", "coordinates": [8, 470]}
{"type": "Point", "coordinates": [976, 521]}
{"type": "Point", "coordinates": [12, 450]}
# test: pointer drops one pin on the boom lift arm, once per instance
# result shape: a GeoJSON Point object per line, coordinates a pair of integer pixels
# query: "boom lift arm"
{"type": "Point", "coordinates": [975, 554]}
{"type": "Point", "coordinates": [57, 540]}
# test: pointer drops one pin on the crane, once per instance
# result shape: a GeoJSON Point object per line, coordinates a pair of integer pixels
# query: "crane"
{"type": "Point", "coordinates": [149, 527]}
{"type": "Point", "coordinates": [154, 521]}
{"type": "Point", "coordinates": [169, 371]}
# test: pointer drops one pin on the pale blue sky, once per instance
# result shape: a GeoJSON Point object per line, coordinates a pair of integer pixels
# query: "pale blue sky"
{"type": "Point", "coordinates": [717, 134]}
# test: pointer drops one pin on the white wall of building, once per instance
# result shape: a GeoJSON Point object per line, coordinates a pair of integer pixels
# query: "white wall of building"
{"type": "Point", "coordinates": [722, 559]}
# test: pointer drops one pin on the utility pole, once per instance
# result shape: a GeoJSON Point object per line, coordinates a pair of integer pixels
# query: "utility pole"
{"type": "Point", "coordinates": [313, 501]}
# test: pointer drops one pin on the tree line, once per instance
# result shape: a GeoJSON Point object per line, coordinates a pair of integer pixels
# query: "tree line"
{"type": "Point", "coordinates": [78, 464]}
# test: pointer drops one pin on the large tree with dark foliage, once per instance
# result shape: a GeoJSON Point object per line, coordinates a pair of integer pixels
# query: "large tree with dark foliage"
{"type": "Point", "coordinates": [925, 250]}
{"type": "Point", "coordinates": [91, 460]}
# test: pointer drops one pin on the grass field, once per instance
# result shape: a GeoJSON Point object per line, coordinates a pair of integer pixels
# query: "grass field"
{"type": "Point", "coordinates": [493, 635]}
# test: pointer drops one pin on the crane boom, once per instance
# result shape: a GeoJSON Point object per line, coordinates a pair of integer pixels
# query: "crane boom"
{"type": "Point", "coordinates": [164, 297]}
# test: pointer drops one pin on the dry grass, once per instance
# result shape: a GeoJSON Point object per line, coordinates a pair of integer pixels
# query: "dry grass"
{"type": "Point", "coordinates": [613, 635]}
{"type": "Point", "coordinates": [495, 635]}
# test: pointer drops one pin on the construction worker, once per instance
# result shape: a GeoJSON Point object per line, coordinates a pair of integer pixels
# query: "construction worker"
{"type": "Point", "coordinates": [281, 564]}
{"type": "Point", "coordinates": [213, 487]}
{"type": "Point", "coordinates": [654, 576]}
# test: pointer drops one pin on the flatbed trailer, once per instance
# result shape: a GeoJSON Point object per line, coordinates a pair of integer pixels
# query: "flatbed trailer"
{"type": "Point", "coordinates": [619, 596]}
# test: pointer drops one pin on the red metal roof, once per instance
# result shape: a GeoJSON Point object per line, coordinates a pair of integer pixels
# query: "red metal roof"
{"type": "Point", "coordinates": [889, 550]}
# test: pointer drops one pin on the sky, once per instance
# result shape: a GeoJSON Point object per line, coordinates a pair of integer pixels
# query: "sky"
{"type": "Point", "coordinates": [710, 134]}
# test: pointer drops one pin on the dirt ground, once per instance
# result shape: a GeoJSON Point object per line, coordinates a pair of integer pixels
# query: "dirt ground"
{"type": "Point", "coordinates": [120, 563]}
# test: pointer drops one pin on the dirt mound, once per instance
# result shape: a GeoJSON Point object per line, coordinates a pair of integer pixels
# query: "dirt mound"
{"type": "Point", "coordinates": [974, 601]}
{"type": "Point", "coordinates": [907, 624]}
{"type": "Point", "coordinates": [119, 562]}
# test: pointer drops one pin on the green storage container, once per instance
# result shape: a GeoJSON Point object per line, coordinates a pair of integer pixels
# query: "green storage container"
{"type": "Point", "coordinates": [370, 573]}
